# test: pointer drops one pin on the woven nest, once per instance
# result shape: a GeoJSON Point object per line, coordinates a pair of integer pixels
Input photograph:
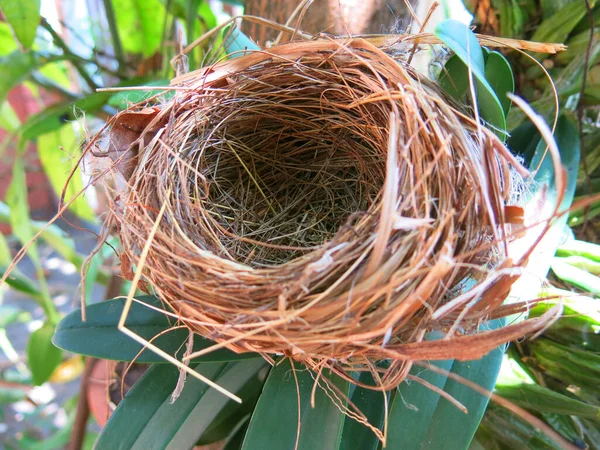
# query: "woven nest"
{"type": "Point", "coordinates": [320, 200]}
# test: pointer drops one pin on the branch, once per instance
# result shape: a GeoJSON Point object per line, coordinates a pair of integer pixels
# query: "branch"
{"type": "Point", "coordinates": [75, 60]}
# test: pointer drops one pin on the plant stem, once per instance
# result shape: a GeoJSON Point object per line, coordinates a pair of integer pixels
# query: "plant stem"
{"type": "Point", "coordinates": [83, 408]}
{"type": "Point", "coordinates": [114, 32]}
{"type": "Point", "coordinates": [75, 60]}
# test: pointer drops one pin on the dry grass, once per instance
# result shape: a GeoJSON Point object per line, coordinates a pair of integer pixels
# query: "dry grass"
{"type": "Point", "coordinates": [324, 201]}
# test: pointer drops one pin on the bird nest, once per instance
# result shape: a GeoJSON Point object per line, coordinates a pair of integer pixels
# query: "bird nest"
{"type": "Point", "coordinates": [324, 201]}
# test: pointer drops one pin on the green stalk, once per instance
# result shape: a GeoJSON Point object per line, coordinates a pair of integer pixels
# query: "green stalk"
{"type": "Point", "coordinates": [114, 32]}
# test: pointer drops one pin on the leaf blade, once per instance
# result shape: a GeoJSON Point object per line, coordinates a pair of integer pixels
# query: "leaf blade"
{"type": "Point", "coordinates": [99, 336]}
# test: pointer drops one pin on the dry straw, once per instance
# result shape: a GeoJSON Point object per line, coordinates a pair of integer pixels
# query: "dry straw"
{"type": "Point", "coordinates": [321, 200]}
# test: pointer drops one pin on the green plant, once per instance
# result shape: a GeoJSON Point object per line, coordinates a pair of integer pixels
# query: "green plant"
{"type": "Point", "coordinates": [274, 398]}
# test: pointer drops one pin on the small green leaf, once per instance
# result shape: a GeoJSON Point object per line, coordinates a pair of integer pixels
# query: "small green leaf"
{"type": "Point", "coordinates": [24, 18]}
{"type": "Point", "coordinates": [42, 356]}
{"type": "Point", "coordinates": [14, 69]}
{"type": "Point", "coordinates": [499, 74]}
{"type": "Point", "coordinates": [275, 419]}
{"type": "Point", "coordinates": [146, 418]}
{"type": "Point", "coordinates": [461, 40]}
{"type": "Point", "coordinates": [99, 336]}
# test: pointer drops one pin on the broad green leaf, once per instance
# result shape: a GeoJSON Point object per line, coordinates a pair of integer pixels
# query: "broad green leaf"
{"type": "Point", "coordinates": [557, 27]}
{"type": "Point", "coordinates": [434, 422]}
{"type": "Point", "coordinates": [236, 42]}
{"type": "Point", "coordinates": [541, 399]}
{"type": "Point", "coordinates": [499, 74]}
{"type": "Point", "coordinates": [461, 40]}
{"type": "Point", "coordinates": [275, 419]}
{"type": "Point", "coordinates": [99, 336]}
{"type": "Point", "coordinates": [371, 403]}
{"type": "Point", "coordinates": [234, 414]}
{"type": "Point", "coordinates": [540, 163]}
{"type": "Point", "coordinates": [146, 418]}
{"type": "Point", "coordinates": [24, 18]}
{"type": "Point", "coordinates": [42, 356]}
{"type": "Point", "coordinates": [14, 69]}
{"type": "Point", "coordinates": [454, 79]}
{"type": "Point", "coordinates": [59, 154]}
{"type": "Point", "coordinates": [140, 24]}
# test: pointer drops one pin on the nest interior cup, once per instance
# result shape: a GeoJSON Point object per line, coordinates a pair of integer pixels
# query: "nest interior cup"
{"type": "Point", "coordinates": [320, 200]}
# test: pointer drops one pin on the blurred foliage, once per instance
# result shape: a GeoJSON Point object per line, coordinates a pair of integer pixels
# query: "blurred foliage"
{"type": "Point", "coordinates": [556, 375]}
{"type": "Point", "coordinates": [575, 23]}
{"type": "Point", "coordinates": [59, 65]}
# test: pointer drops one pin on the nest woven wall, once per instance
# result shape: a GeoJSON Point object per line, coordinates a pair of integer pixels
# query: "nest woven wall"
{"type": "Point", "coordinates": [320, 200]}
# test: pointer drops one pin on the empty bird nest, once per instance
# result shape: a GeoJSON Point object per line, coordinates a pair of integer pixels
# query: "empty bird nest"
{"type": "Point", "coordinates": [320, 200]}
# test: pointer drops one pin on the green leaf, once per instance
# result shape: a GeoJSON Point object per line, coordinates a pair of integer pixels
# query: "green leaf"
{"type": "Point", "coordinates": [99, 336]}
{"type": "Point", "coordinates": [236, 42]}
{"type": "Point", "coordinates": [588, 250]}
{"type": "Point", "coordinates": [146, 418]}
{"type": "Point", "coordinates": [9, 120]}
{"type": "Point", "coordinates": [14, 69]}
{"type": "Point", "coordinates": [504, 430]}
{"type": "Point", "coordinates": [140, 24]}
{"type": "Point", "coordinates": [24, 17]}
{"type": "Point", "coordinates": [275, 419]}
{"type": "Point", "coordinates": [124, 99]}
{"type": "Point", "coordinates": [434, 422]}
{"type": "Point", "coordinates": [576, 276]}
{"type": "Point", "coordinates": [573, 367]}
{"type": "Point", "coordinates": [42, 356]}
{"type": "Point", "coordinates": [371, 403]}
{"type": "Point", "coordinates": [20, 222]}
{"type": "Point", "coordinates": [557, 27]}
{"type": "Point", "coordinates": [461, 40]}
{"type": "Point", "coordinates": [540, 399]}
{"type": "Point", "coordinates": [7, 40]}
{"type": "Point", "coordinates": [499, 74]}
{"type": "Point", "coordinates": [59, 154]}
{"type": "Point", "coordinates": [56, 116]}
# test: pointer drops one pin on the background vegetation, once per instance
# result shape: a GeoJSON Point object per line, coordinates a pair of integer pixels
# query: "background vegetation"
{"type": "Point", "coordinates": [50, 68]}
